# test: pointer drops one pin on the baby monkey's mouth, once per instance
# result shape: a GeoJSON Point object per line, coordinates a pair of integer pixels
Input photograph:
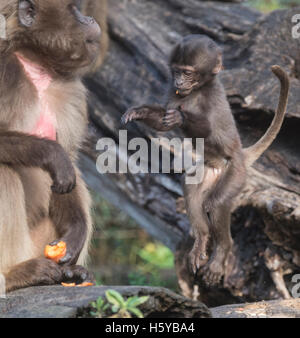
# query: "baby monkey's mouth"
{"type": "Point", "coordinates": [183, 91]}
{"type": "Point", "coordinates": [186, 90]}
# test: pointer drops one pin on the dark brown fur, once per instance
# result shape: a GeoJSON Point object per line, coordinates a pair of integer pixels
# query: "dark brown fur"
{"type": "Point", "coordinates": [40, 203]}
{"type": "Point", "coordinates": [198, 105]}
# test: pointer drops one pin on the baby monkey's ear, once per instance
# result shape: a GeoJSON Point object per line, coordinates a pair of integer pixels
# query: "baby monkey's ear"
{"type": "Point", "coordinates": [219, 65]}
{"type": "Point", "coordinates": [26, 12]}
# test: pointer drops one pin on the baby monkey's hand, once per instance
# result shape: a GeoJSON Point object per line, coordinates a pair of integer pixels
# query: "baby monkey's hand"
{"type": "Point", "coordinates": [134, 113]}
{"type": "Point", "coordinates": [173, 118]}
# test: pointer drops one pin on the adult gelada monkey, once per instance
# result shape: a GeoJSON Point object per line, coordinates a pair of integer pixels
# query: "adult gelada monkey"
{"type": "Point", "coordinates": [198, 105]}
{"type": "Point", "coordinates": [43, 119]}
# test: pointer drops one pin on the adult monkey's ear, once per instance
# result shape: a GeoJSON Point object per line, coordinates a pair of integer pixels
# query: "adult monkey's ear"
{"type": "Point", "coordinates": [219, 65]}
{"type": "Point", "coordinates": [27, 12]}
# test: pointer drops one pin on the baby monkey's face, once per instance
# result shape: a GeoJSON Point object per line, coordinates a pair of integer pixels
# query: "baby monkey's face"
{"type": "Point", "coordinates": [194, 62]}
{"type": "Point", "coordinates": [184, 79]}
{"type": "Point", "coordinates": [187, 79]}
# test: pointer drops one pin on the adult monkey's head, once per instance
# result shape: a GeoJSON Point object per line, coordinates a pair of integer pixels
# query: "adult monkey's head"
{"type": "Point", "coordinates": [194, 62]}
{"type": "Point", "coordinates": [54, 33]}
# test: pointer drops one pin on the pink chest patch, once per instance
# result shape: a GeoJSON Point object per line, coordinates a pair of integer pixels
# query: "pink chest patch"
{"type": "Point", "coordinates": [45, 126]}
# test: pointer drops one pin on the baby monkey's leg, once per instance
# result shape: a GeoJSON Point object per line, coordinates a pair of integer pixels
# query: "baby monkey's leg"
{"type": "Point", "coordinates": [198, 217]}
{"type": "Point", "coordinates": [219, 205]}
{"type": "Point", "coordinates": [220, 219]}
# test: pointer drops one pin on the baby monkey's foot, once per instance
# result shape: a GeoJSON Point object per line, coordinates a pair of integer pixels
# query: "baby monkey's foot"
{"type": "Point", "coordinates": [213, 272]}
{"type": "Point", "coordinates": [198, 256]}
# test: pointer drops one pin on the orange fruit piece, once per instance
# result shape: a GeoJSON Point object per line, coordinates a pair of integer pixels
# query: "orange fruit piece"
{"type": "Point", "coordinates": [83, 285]}
{"type": "Point", "coordinates": [56, 252]}
{"type": "Point", "coordinates": [68, 285]}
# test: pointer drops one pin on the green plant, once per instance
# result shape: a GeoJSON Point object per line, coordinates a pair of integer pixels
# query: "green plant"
{"type": "Point", "coordinates": [118, 306]}
{"type": "Point", "coordinates": [99, 308]}
{"type": "Point", "coordinates": [157, 255]}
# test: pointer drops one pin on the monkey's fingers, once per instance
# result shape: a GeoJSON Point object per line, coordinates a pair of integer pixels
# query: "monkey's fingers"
{"type": "Point", "coordinates": [124, 119]}
{"type": "Point", "coordinates": [169, 123]}
{"type": "Point", "coordinates": [173, 118]}
{"type": "Point", "coordinates": [61, 253]}
{"type": "Point", "coordinates": [169, 120]}
{"type": "Point", "coordinates": [61, 189]}
{"type": "Point", "coordinates": [171, 112]}
{"type": "Point", "coordinates": [55, 251]}
{"type": "Point", "coordinates": [129, 116]}
{"type": "Point", "coordinates": [64, 184]}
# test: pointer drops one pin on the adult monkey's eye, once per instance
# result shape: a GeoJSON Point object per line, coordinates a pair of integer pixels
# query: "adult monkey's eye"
{"type": "Point", "coordinates": [188, 73]}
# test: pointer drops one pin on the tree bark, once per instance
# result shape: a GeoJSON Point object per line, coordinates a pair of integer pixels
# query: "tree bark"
{"type": "Point", "coordinates": [265, 225]}
{"type": "Point", "coordinates": [271, 309]}
{"type": "Point", "coordinates": [74, 302]}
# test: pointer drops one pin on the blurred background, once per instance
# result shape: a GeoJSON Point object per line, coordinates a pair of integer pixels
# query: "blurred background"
{"type": "Point", "coordinates": [271, 5]}
{"type": "Point", "coordinates": [122, 252]}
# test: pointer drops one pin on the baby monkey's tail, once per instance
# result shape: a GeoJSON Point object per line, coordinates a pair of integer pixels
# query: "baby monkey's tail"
{"type": "Point", "coordinates": [254, 152]}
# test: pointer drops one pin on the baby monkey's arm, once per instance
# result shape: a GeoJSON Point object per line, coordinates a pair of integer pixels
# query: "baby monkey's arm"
{"type": "Point", "coordinates": [155, 117]}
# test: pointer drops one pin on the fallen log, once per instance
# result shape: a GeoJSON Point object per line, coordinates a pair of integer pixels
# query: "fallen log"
{"type": "Point", "coordinates": [61, 302]}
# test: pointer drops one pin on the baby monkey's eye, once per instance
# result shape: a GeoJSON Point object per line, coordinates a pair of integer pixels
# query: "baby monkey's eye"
{"type": "Point", "coordinates": [187, 72]}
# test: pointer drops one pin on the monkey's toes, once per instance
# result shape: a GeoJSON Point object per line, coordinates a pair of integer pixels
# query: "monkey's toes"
{"type": "Point", "coordinates": [197, 260]}
{"type": "Point", "coordinates": [212, 274]}
{"type": "Point", "coordinates": [77, 274]}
